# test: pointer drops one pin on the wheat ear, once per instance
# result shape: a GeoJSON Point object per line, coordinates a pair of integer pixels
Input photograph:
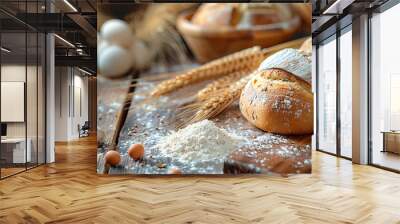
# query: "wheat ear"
{"type": "Point", "coordinates": [220, 84]}
{"type": "Point", "coordinates": [246, 59]}
{"type": "Point", "coordinates": [215, 104]}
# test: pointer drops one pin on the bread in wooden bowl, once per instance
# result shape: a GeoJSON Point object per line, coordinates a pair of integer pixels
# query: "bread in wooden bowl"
{"type": "Point", "coordinates": [258, 14]}
{"type": "Point", "coordinates": [217, 15]}
{"type": "Point", "coordinates": [277, 101]}
{"type": "Point", "coordinates": [305, 12]}
{"type": "Point", "coordinates": [219, 29]}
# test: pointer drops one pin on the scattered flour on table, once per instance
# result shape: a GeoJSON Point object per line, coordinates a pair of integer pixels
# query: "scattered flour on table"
{"type": "Point", "coordinates": [201, 141]}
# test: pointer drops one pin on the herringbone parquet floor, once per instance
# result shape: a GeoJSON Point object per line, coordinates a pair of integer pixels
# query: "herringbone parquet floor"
{"type": "Point", "coordinates": [70, 191]}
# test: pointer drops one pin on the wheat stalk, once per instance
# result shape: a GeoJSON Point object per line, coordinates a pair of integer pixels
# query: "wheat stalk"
{"type": "Point", "coordinates": [225, 96]}
{"type": "Point", "coordinates": [216, 101]}
{"type": "Point", "coordinates": [246, 59]}
{"type": "Point", "coordinates": [215, 104]}
{"type": "Point", "coordinates": [220, 84]}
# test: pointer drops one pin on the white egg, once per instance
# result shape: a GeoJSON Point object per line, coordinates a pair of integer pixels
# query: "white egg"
{"type": "Point", "coordinates": [118, 32]}
{"type": "Point", "coordinates": [101, 46]}
{"type": "Point", "coordinates": [114, 61]}
{"type": "Point", "coordinates": [99, 39]}
{"type": "Point", "coordinates": [140, 54]}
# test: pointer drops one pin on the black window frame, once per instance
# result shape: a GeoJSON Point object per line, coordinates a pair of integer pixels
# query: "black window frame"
{"type": "Point", "coordinates": [339, 32]}
{"type": "Point", "coordinates": [30, 29]}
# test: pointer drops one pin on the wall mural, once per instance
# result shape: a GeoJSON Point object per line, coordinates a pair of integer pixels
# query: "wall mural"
{"type": "Point", "coordinates": [212, 88]}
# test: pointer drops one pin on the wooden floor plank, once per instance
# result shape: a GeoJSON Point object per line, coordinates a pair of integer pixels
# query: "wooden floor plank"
{"type": "Point", "coordinates": [70, 191]}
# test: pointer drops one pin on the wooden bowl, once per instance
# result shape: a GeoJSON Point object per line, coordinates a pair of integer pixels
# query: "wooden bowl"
{"type": "Point", "coordinates": [211, 43]}
{"type": "Point", "coordinates": [305, 12]}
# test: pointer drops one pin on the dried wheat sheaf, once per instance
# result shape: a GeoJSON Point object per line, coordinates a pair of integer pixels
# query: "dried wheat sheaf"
{"type": "Point", "coordinates": [231, 72]}
{"type": "Point", "coordinates": [247, 59]}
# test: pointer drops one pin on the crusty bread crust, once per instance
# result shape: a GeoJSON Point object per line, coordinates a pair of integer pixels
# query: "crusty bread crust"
{"type": "Point", "coordinates": [277, 101]}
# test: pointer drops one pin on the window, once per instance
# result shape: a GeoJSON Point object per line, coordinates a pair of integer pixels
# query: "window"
{"type": "Point", "coordinates": [22, 77]}
{"type": "Point", "coordinates": [346, 93]}
{"type": "Point", "coordinates": [385, 89]}
{"type": "Point", "coordinates": [327, 96]}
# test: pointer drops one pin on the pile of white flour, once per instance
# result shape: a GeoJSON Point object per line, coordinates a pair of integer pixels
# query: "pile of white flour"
{"type": "Point", "coordinates": [201, 141]}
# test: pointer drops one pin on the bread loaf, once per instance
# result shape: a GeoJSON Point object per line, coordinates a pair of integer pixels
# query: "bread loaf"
{"type": "Point", "coordinates": [294, 61]}
{"type": "Point", "coordinates": [277, 101]}
{"type": "Point", "coordinates": [243, 15]}
{"type": "Point", "coordinates": [216, 15]}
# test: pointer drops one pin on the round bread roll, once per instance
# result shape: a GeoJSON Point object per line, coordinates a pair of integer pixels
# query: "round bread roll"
{"type": "Point", "coordinates": [277, 101]}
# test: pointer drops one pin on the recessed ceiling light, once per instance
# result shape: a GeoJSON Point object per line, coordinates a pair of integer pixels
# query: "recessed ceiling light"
{"type": "Point", "coordinates": [70, 5]}
{"type": "Point", "coordinates": [64, 40]}
{"type": "Point", "coordinates": [337, 7]}
{"type": "Point", "coordinates": [5, 50]}
{"type": "Point", "coordinates": [84, 71]}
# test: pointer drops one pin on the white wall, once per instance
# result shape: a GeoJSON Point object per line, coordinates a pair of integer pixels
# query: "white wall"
{"type": "Point", "coordinates": [81, 89]}
{"type": "Point", "coordinates": [71, 94]}
{"type": "Point", "coordinates": [61, 104]}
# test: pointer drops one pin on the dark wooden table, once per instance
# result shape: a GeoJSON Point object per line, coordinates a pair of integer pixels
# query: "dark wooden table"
{"type": "Point", "coordinates": [273, 154]}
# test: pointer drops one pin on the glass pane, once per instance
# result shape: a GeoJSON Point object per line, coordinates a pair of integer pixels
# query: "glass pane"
{"type": "Point", "coordinates": [41, 99]}
{"type": "Point", "coordinates": [385, 89]}
{"type": "Point", "coordinates": [23, 89]}
{"type": "Point", "coordinates": [13, 86]}
{"type": "Point", "coordinates": [31, 97]}
{"type": "Point", "coordinates": [31, 88]}
{"type": "Point", "coordinates": [346, 94]}
{"type": "Point", "coordinates": [327, 96]}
